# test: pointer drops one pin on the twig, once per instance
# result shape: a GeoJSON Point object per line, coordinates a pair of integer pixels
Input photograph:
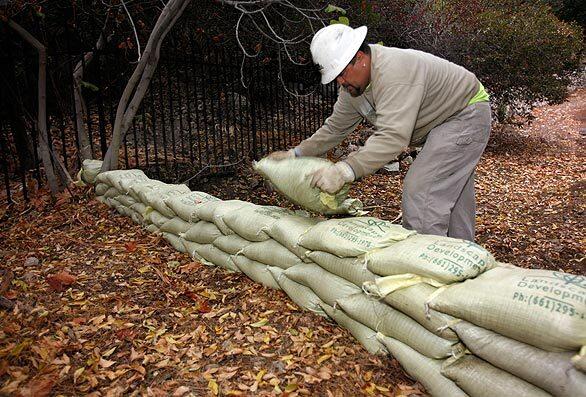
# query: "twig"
{"type": "Point", "coordinates": [133, 28]}
{"type": "Point", "coordinates": [213, 165]}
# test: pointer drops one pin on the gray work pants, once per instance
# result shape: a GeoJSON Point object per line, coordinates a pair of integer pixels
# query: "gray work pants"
{"type": "Point", "coordinates": [438, 191]}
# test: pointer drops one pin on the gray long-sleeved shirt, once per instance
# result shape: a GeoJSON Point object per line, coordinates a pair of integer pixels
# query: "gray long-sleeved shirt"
{"type": "Point", "coordinates": [410, 93]}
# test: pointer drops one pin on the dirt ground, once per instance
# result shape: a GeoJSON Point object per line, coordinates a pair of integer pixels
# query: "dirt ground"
{"type": "Point", "coordinates": [103, 308]}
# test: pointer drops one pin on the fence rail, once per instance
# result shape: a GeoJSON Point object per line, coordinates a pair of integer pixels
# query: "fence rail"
{"type": "Point", "coordinates": [196, 119]}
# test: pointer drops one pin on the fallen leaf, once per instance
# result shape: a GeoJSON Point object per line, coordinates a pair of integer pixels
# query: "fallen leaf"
{"type": "Point", "coordinates": [60, 281]}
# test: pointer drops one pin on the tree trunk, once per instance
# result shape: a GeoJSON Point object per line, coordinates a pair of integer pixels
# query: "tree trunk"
{"type": "Point", "coordinates": [140, 80]}
{"type": "Point", "coordinates": [43, 146]}
{"type": "Point", "coordinates": [85, 149]}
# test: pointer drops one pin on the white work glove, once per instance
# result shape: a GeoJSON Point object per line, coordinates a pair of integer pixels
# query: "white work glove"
{"type": "Point", "coordinates": [282, 155]}
{"type": "Point", "coordinates": [330, 179]}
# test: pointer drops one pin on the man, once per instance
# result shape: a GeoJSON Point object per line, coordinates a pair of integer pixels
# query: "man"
{"type": "Point", "coordinates": [413, 99]}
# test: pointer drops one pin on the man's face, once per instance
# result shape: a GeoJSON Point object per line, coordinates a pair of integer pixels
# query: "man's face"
{"type": "Point", "coordinates": [356, 75]}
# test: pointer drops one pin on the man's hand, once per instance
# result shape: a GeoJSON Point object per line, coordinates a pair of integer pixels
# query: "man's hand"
{"type": "Point", "coordinates": [331, 179]}
{"type": "Point", "coordinates": [282, 155]}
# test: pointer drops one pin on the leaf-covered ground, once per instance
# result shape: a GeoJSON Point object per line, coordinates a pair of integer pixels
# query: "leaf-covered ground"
{"type": "Point", "coordinates": [101, 307]}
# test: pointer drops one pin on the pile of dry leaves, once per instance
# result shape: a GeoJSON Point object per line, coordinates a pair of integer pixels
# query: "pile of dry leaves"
{"type": "Point", "coordinates": [93, 305]}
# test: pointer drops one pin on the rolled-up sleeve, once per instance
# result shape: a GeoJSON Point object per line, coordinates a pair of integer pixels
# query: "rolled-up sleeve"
{"type": "Point", "coordinates": [396, 116]}
{"type": "Point", "coordinates": [343, 121]}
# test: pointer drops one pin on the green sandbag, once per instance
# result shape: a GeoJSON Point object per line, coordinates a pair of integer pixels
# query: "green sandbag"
{"type": "Point", "coordinates": [480, 379]}
{"type": "Point", "coordinates": [176, 226]}
{"type": "Point", "coordinates": [192, 248]}
{"type": "Point", "coordinates": [126, 200]}
{"type": "Point", "coordinates": [184, 205]}
{"type": "Point", "coordinates": [155, 196]}
{"type": "Point", "coordinates": [135, 187]}
{"type": "Point", "coordinates": [288, 231]}
{"type": "Point", "coordinates": [579, 360]}
{"type": "Point", "coordinates": [390, 322]}
{"type": "Point", "coordinates": [291, 177]}
{"type": "Point", "coordinates": [155, 217]}
{"type": "Point", "coordinates": [116, 177]}
{"type": "Point", "coordinates": [217, 257]}
{"type": "Point", "coordinates": [411, 301]}
{"type": "Point", "coordinates": [543, 308]}
{"type": "Point", "coordinates": [112, 192]}
{"type": "Point", "coordinates": [351, 269]}
{"type": "Point", "coordinates": [140, 208]}
{"type": "Point", "coordinates": [351, 237]}
{"type": "Point", "coordinates": [326, 285]}
{"type": "Point", "coordinates": [552, 372]}
{"type": "Point", "coordinates": [231, 244]}
{"type": "Point", "coordinates": [226, 207]}
{"type": "Point", "coordinates": [444, 259]}
{"type": "Point", "coordinates": [271, 253]}
{"type": "Point", "coordinates": [202, 232]}
{"type": "Point", "coordinates": [300, 294]}
{"type": "Point", "coordinates": [90, 170]}
{"type": "Point", "coordinates": [253, 221]}
{"type": "Point", "coordinates": [175, 241]}
{"type": "Point", "coordinates": [364, 335]}
{"type": "Point", "coordinates": [257, 271]}
{"type": "Point", "coordinates": [101, 188]}
{"type": "Point", "coordinates": [425, 370]}
{"type": "Point", "coordinates": [153, 229]}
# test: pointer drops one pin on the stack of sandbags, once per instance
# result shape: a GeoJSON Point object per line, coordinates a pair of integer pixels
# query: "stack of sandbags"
{"type": "Point", "coordinates": [457, 320]}
{"type": "Point", "coordinates": [523, 328]}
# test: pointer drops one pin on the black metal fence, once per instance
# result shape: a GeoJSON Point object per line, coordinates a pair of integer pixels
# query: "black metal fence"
{"type": "Point", "coordinates": [197, 118]}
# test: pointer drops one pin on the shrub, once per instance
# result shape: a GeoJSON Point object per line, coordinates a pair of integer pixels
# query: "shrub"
{"type": "Point", "coordinates": [520, 50]}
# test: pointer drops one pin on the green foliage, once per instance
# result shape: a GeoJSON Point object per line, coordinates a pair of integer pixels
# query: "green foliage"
{"type": "Point", "coordinates": [520, 50]}
{"type": "Point", "coordinates": [89, 86]}
{"type": "Point", "coordinates": [523, 52]}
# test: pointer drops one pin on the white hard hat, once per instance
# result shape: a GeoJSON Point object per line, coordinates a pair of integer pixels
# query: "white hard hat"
{"type": "Point", "coordinates": [333, 47]}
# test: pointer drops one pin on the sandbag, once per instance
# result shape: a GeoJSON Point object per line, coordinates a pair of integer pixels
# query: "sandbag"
{"type": "Point", "coordinates": [364, 335]}
{"type": "Point", "coordinates": [304, 297]}
{"type": "Point", "coordinates": [175, 241]}
{"type": "Point", "coordinates": [257, 271]}
{"type": "Point", "coordinates": [393, 323]}
{"type": "Point", "coordinates": [411, 301]}
{"type": "Point", "coordinates": [217, 257]}
{"type": "Point", "coordinates": [152, 229]}
{"type": "Point", "coordinates": [480, 379]}
{"type": "Point", "coordinates": [155, 217]}
{"type": "Point", "coordinates": [351, 269]}
{"type": "Point", "coordinates": [424, 369]}
{"type": "Point", "coordinates": [351, 237]}
{"type": "Point", "coordinates": [231, 244]}
{"type": "Point", "coordinates": [126, 200]}
{"type": "Point", "coordinates": [224, 208]}
{"type": "Point", "coordinates": [191, 248]}
{"type": "Point", "coordinates": [202, 232]}
{"type": "Point", "coordinates": [291, 177]}
{"type": "Point", "coordinates": [552, 372]}
{"type": "Point", "coordinates": [326, 285]}
{"type": "Point", "coordinates": [253, 221]}
{"type": "Point", "coordinates": [112, 192]}
{"type": "Point", "coordinates": [176, 226]}
{"type": "Point", "coordinates": [90, 170]}
{"type": "Point", "coordinates": [101, 188]}
{"type": "Point", "coordinates": [140, 208]}
{"type": "Point", "coordinates": [134, 187]}
{"type": "Point", "coordinates": [116, 178]}
{"type": "Point", "coordinates": [543, 308]}
{"type": "Point", "coordinates": [185, 204]}
{"type": "Point", "coordinates": [289, 229]}
{"type": "Point", "coordinates": [444, 259]}
{"type": "Point", "coordinates": [205, 211]}
{"type": "Point", "coordinates": [271, 253]}
{"type": "Point", "coordinates": [579, 360]}
{"type": "Point", "coordinates": [155, 196]}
